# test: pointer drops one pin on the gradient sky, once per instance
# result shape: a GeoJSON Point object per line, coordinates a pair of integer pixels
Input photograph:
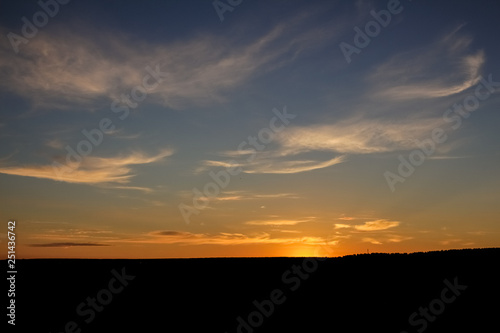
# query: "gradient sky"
{"type": "Point", "coordinates": [316, 185]}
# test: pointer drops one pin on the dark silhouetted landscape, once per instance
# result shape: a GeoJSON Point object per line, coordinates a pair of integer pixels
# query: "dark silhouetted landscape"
{"type": "Point", "coordinates": [445, 291]}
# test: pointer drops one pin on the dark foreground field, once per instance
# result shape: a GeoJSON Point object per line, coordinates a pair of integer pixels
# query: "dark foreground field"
{"type": "Point", "coordinates": [450, 291]}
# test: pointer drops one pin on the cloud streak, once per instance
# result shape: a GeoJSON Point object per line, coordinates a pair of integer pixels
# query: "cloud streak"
{"type": "Point", "coordinates": [61, 69]}
{"type": "Point", "coordinates": [412, 75]}
{"type": "Point", "coordinates": [272, 166]}
{"type": "Point", "coordinates": [222, 238]}
{"type": "Point", "coordinates": [356, 136]}
{"type": "Point", "coordinates": [276, 222]}
{"type": "Point", "coordinates": [382, 240]}
{"type": "Point", "coordinates": [242, 195]}
{"type": "Point", "coordinates": [377, 225]}
{"type": "Point", "coordinates": [92, 170]}
{"type": "Point", "coordinates": [67, 244]}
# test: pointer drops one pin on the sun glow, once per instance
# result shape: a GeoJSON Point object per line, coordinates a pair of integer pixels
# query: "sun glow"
{"type": "Point", "coordinates": [304, 251]}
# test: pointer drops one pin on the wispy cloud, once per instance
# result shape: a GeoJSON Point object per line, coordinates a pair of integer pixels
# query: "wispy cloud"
{"type": "Point", "coordinates": [347, 218]}
{"type": "Point", "coordinates": [62, 68]}
{"type": "Point", "coordinates": [287, 231]}
{"type": "Point", "coordinates": [383, 240]}
{"type": "Point", "coordinates": [92, 170]}
{"type": "Point", "coordinates": [271, 162]}
{"type": "Point", "coordinates": [133, 188]}
{"type": "Point", "coordinates": [398, 238]}
{"type": "Point", "coordinates": [371, 240]}
{"type": "Point", "coordinates": [245, 195]}
{"type": "Point", "coordinates": [412, 75]}
{"type": "Point", "coordinates": [284, 167]}
{"type": "Point", "coordinates": [222, 238]}
{"type": "Point", "coordinates": [54, 143]}
{"type": "Point", "coordinates": [174, 233]}
{"type": "Point", "coordinates": [377, 225]}
{"type": "Point", "coordinates": [342, 226]}
{"type": "Point", "coordinates": [277, 195]}
{"type": "Point", "coordinates": [276, 222]}
{"type": "Point", "coordinates": [229, 196]}
{"type": "Point", "coordinates": [63, 234]}
{"type": "Point", "coordinates": [448, 157]}
{"type": "Point", "coordinates": [356, 135]}
{"type": "Point", "coordinates": [67, 244]}
{"type": "Point", "coordinates": [450, 241]}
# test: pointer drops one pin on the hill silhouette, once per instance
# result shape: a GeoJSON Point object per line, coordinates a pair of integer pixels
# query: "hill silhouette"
{"type": "Point", "coordinates": [444, 291]}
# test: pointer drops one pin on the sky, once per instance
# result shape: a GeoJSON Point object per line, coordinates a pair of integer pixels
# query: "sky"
{"type": "Point", "coordinates": [173, 129]}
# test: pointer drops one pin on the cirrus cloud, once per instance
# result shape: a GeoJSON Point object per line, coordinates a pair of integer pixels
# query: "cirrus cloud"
{"type": "Point", "coordinates": [377, 225]}
{"type": "Point", "coordinates": [92, 170]}
{"type": "Point", "coordinates": [224, 238]}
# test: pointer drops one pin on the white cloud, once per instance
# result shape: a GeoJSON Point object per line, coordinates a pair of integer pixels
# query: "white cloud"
{"type": "Point", "coordinates": [371, 240]}
{"type": "Point", "coordinates": [444, 68]}
{"type": "Point", "coordinates": [377, 225]}
{"type": "Point", "coordinates": [244, 195]}
{"type": "Point", "coordinates": [398, 238]}
{"type": "Point", "coordinates": [62, 68]}
{"type": "Point", "coordinates": [356, 136]}
{"type": "Point", "coordinates": [390, 239]}
{"type": "Point", "coordinates": [342, 226]}
{"type": "Point", "coordinates": [270, 162]}
{"type": "Point", "coordinates": [276, 222]}
{"type": "Point", "coordinates": [284, 167]}
{"type": "Point", "coordinates": [92, 170]}
{"type": "Point", "coordinates": [221, 238]}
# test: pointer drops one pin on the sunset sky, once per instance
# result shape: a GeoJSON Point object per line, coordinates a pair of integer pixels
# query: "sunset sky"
{"type": "Point", "coordinates": [118, 118]}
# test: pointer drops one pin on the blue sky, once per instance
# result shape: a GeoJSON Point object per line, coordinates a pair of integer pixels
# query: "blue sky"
{"type": "Point", "coordinates": [326, 181]}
